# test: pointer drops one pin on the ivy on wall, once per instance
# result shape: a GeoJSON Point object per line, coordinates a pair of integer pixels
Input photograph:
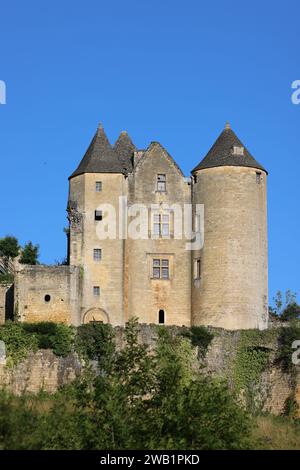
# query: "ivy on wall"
{"type": "Point", "coordinates": [251, 360]}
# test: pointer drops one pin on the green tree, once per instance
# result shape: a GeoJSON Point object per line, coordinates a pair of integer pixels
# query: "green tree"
{"type": "Point", "coordinates": [9, 248]}
{"type": "Point", "coordinates": [291, 312]}
{"type": "Point", "coordinates": [282, 302]}
{"type": "Point", "coordinates": [30, 254]}
{"type": "Point", "coordinates": [139, 398]}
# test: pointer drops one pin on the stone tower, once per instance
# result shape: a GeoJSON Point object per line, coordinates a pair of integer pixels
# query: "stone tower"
{"type": "Point", "coordinates": [230, 286]}
{"type": "Point", "coordinates": [99, 179]}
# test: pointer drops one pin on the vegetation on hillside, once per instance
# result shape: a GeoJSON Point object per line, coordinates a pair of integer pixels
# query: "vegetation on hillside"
{"type": "Point", "coordinates": [146, 399]}
{"type": "Point", "coordinates": [137, 400]}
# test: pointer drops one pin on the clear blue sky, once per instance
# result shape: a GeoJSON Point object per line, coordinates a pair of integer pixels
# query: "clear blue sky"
{"type": "Point", "coordinates": [167, 70]}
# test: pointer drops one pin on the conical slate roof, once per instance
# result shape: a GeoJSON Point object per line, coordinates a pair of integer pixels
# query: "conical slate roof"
{"type": "Point", "coordinates": [101, 157]}
{"type": "Point", "coordinates": [223, 153]}
{"type": "Point", "coordinates": [124, 149]}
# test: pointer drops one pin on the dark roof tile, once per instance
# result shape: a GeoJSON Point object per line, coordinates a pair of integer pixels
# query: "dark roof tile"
{"type": "Point", "coordinates": [125, 149]}
{"type": "Point", "coordinates": [100, 157]}
{"type": "Point", "coordinates": [221, 153]}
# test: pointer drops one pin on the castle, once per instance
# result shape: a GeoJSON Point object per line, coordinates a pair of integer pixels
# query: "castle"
{"type": "Point", "coordinates": [154, 273]}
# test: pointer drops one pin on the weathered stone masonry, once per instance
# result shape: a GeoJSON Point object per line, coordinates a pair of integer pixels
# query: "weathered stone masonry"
{"type": "Point", "coordinates": [45, 371]}
{"type": "Point", "coordinates": [224, 284]}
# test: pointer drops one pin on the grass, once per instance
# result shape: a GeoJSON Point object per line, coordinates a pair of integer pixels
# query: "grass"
{"type": "Point", "coordinates": [276, 433]}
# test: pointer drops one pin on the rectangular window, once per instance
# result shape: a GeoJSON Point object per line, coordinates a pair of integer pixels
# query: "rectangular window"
{"type": "Point", "coordinates": [98, 186]}
{"type": "Point", "coordinates": [161, 225]}
{"type": "Point", "coordinates": [96, 290]}
{"type": "Point", "coordinates": [161, 183]}
{"type": "Point", "coordinates": [97, 254]}
{"type": "Point", "coordinates": [98, 215]}
{"type": "Point", "coordinates": [160, 269]}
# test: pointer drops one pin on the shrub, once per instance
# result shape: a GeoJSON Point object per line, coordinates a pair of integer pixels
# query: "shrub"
{"type": "Point", "coordinates": [55, 336]}
{"type": "Point", "coordinates": [18, 342]}
{"type": "Point", "coordinates": [95, 341]}
{"type": "Point", "coordinates": [285, 340]}
{"type": "Point", "coordinates": [200, 336]}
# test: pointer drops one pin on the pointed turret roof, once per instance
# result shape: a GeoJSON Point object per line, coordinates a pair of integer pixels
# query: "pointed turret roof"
{"type": "Point", "coordinates": [228, 150]}
{"type": "Point", "coordinates": [124, 149]}
{"type": "Point", "coordinates": [100, 157]}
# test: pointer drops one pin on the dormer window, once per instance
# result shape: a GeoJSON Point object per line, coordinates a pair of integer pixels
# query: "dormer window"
{"type": "Point", "coordinates": [237, 150]}
{"type": "Point", "coordinates": [161, 183]}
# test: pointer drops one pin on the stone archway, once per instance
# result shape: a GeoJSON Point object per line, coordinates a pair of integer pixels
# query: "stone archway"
{"type": "Point", "coordinates": [96, 314]}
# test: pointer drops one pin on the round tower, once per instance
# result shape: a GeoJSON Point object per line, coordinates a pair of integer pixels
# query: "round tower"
{"type": "Point", "coordinates": [230, 287]}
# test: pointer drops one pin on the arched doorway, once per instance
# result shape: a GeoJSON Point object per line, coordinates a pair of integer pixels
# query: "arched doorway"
{"type": "Point", "coordinates": [161, 317]}
{"type": "Point", "coordinates": [97, 315]}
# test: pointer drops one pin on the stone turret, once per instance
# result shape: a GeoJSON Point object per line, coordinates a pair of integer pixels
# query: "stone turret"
{"type": "Point", "coordinates": [99, 180]}
{"type": "Point", "coordinates": [230, 287]}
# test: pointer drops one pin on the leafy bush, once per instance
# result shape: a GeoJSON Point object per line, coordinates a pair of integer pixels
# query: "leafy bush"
{"type": "Point", "coordinates": [55, 336]}
{"type": "Point", "coordinates": [287, 335]}
{"type": "Point", "coordinates": [6, 278]}
{"type": "Point", "coordinates": [141, 400]}
{"type": "Point", "coordinates": [95, 341]}
{"type": "Point", "coordinates": [17, 341]}
{"type": "Point", "coordinates": [200, 336]}
{"type": "Point", "coordinates": [250, 361]}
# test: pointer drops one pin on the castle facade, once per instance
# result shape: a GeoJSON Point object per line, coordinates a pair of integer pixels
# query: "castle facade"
{"type": "Point", "coordinates": [131, 252]}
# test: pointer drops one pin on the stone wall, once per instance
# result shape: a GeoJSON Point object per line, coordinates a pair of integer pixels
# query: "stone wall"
{"type": "Point", "coordinates": [40, 371]}
{"type": "Point", "coordinates": [48, 293]}
{"type": "Point", "coordinates": [44, 370]}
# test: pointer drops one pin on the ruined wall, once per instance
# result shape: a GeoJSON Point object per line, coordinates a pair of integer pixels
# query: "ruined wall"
{"type": "Point", "coordinates": [40, 371]}
{"type": "Point", "coordinates": [44, 370]}
{"type": "Point", "coordinates": [6, 302]}
{"type": "Point", "coordinates": [48, 293]}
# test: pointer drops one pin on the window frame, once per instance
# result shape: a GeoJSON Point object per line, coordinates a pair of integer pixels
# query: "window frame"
{"type": "Point", "coordinates": [97, 258]}
{"type": "Point", "coordinates": [160, 269]}
{"type": "Point", "coordinates": [161, 182]}
{"type": "Point", "coordinates": [96, 291]}
{"type": "Point", "coordinates": [161, 222]}
{"type": "Point", "coordinates": [98, 184]}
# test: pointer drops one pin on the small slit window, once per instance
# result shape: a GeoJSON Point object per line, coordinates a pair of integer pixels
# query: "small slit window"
{"type": "Point", "coordinates": [98, 215]}
{"type": "Point", "coordinates": [258, 177]}
{"type": "Point", "coordinates": [96, 291]}
{"type": "Point", "coordinates": [47, 298]}
{"type": "Point", "coordinates": [197, 268]}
